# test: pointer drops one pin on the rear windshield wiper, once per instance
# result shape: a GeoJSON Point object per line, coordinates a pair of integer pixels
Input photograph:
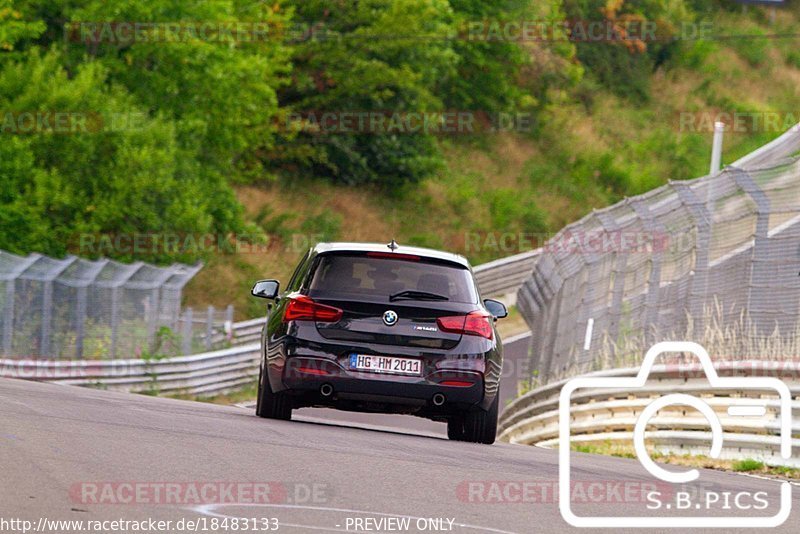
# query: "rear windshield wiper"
{"type": "Point", "coordinates": [416, 295]}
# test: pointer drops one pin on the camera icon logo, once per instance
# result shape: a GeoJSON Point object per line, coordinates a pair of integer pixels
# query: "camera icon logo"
{"type": "Point", "coordinates": [676, 477]}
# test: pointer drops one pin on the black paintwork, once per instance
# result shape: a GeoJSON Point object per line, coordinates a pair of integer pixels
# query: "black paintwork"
{"type": "Point", "coordinates": [287, 347]}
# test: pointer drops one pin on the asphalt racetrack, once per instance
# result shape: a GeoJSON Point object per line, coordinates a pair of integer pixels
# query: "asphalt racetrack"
{"type": "Point", "coordinates": [73, 454]}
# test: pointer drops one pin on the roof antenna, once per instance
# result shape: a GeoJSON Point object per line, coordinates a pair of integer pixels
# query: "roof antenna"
{"type": "Point", "coordinates": [393, 245]}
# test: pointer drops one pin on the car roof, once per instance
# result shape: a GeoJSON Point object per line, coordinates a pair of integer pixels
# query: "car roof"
{"type": "Point", "coordinates": [324, 248]}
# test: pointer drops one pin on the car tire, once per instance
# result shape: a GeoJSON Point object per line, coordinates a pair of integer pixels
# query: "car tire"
{"type": "Point", "coordinates": [481, 426]}
{"type": "Point", "coordinates": [455, 428]}
{"type": "Point", "coordinates": [271, 405]}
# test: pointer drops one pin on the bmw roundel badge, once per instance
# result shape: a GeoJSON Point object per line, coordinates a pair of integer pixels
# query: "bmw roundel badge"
{"type": "Point", "coordinates": [389, 318]}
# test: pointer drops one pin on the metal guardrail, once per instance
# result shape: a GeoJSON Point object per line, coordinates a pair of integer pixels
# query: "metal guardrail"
{"type": "Point", "coordinates": [199, 374]}
{"type": "Point", "coordinates": [221, 370]}
{"type": "Point", "coordinates": [242, 333]}
{"type": "Point", "coordinates": [599, 416]}
{"type": "Point", "coordinates": [504, 276]}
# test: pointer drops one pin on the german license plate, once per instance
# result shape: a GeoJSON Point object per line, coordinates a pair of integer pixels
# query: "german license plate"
{"type": "Point", "coordinates": [386, 364]}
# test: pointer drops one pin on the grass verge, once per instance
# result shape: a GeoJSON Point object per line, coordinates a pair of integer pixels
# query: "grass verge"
{"type": "Point", "coordinates": [746, 465]}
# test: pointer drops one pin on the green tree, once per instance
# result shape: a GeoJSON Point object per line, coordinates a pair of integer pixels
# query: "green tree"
{"type": "Point", "coordinates": [181, 121]}
{"type": "Point", "coordinates": [374, 55]}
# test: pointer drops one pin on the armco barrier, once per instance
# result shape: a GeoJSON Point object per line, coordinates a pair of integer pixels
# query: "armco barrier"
{"type": "Point", "coordinates": [504, 276]}
{"type": "Point", "coordinates": [599, 416]}
{"type": "Point", "coordinates": [199, 374]}
{"type": "Point", "coordinates": [221, 370]}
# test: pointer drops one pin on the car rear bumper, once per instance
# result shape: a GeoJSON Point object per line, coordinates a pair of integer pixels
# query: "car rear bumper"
{"type": "Point", "coordinates": [305, 376]}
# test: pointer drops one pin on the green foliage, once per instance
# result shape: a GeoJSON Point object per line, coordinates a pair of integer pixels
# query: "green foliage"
{"type": "Point", "coordinates": [428, 239]}
{"type": "Point", "coordinates": [60, 185]}
{"type": "Point", "coordinates": [507, 213]}
{"type": "Point", "coordinates": [175, 124]}
{"type": "Point", "coordinates": [754, 47]}
{"type": "Point", "coordinates": [793, 58]}
{"type": "Point", "coordinates": [14, 28]}
{"type": "Point", "coordinates": [748, 464]}
{"type": "Point", "coordinates": [695, 53]}
{"type": "Point", "coordinates": [324, 226]}
{"type": "Point", "coordinates": [649, 30]}
{"type": "Point", "coordinates": [486, 69]}
{"type": "Point", "coordinates": [366, 65]}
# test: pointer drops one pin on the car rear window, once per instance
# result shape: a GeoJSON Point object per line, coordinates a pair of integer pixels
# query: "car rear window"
{"type": "Point", "coordinates": [358, 275]}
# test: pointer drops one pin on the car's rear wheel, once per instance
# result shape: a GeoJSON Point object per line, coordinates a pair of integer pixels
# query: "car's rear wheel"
{"type": "Point", "coordinates": [455, 428]}
{"type": "Point", "coordinates": [272, 405]}
{"type": "Point", "coordinates": [477, 427]}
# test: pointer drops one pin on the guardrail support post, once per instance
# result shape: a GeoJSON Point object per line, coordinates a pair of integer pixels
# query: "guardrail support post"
{"type": "Point", "coordinates": [186, 331]}
{"type": "Point", "coordinates": [228, 327]}
{"type": "Point", "coordinates": [209, 327]}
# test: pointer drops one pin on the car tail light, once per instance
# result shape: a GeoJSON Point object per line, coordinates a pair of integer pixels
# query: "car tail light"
{"type": "Point", "coordinates": [302, 308]}
{"type": "Point", "coordinates": [313, 371]}
{"type": "Point", "coordinates": [457, 383]}
{"type": "Point", "coordinates": [475, 323]}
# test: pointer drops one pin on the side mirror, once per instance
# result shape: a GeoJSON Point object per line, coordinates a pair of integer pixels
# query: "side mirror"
{"type": "Point", "coordinates": [266, 289]}
{"type": "Point", "coordinates": [496, 308]}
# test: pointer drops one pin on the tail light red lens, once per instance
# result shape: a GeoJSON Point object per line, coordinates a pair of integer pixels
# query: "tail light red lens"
{"type": "Point", "coordinates": [302, 308]}
{"type": "Point", "coordinates": [457, 383]}
{"type": "Point", "coordinates": [475, 323]}
{"type": "Point", "coordinates": [313, 371]}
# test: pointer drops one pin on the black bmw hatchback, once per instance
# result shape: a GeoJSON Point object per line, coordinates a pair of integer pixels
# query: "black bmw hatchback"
{"type": "Point", "coordinates": [386, 329]}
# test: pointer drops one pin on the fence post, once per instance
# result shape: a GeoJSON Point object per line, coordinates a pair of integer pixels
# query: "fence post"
{"type": "Point", "coordinates": [698, 282]}
{"type": "Point", "coordinates": [152, 320]}
{"type": "Point", "coordinates": [209, 327]}
{"type": "Point", "coordinates": [229, 322]}
{"type": "Point", "coordinates": [587, 309]}
{"type": "Point", "coordinates": [760, 275]}
{"type": "Point", "coordinates": [114, 320]}
{"type": "Point", "coordinates": [617, 290]}
{"type": "Point", "coordinates": [80, 321]}
{"type": "Point", "coordinates": [531, 304]}
{"type": "Point", "coordinates": [8, 318]}
{"type": "Point", "coordinates": [187, 329]}
{"type": "Point", "coordinates": [654, 282]}
{"type": "Point", "coordinates": [716, 148]}
{"type": "Point", "coordinates": [47, 318]}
